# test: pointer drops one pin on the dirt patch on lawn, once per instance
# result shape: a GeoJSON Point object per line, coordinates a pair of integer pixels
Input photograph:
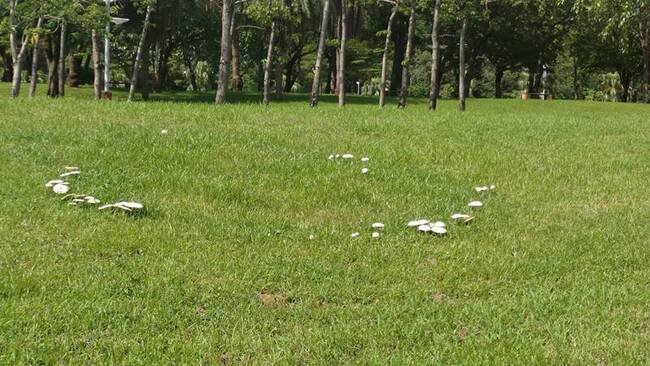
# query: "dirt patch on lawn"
{"type": "Point", "coordinates": [271, 300]}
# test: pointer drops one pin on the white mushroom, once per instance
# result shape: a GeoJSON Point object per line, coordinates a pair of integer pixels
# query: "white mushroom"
{"type": "Point", "coordinates": [378, 225]}
{"type": "Point", "coordinates": [376, 235]}
{"type": "Point", "coordinates": [365, 171]}
{"type": "Point", "coordinates": [475, 204]}
{"type": "Point", "coordinates": [426, 228]}
{"type": "Point", "coordinates": [164, 132]}
{"type": "Point", "coordinates": [54, 182]}
{"type": "Point", "coordinates": [482, 189]}
{"type": "Point", "coordinates": [462, 218]}
{"type": "Point", "coordinates": [439, 224]}
{"type": "Point", "coordinates": [60, 188]}
{"type": "Point", "coordinates": [493, 187]}
{"type": "Point", "coordinates": [131, 205]}
{"type": "Point", "coordinates": [355, 235]}
{"type": "Point", "coordinates": [459, 216]}
{"type": "Point", "coordinates": [416, 223]}
{"type": "Point", "coordinates": [365, 159]}
{"type": "Point", "coordinates": [105, 207]}
{"type": "Point", "coordinates": [439, 230]}
{"type": "Point", "coordinates": [311, 237]}
{"type": "Point", "coordinates": [92, 200]}
{"type": "Point", "coordinates": [331, 157]}
{"type": "Point", "coordinates": [347, 156]}
{"type": "Point", "coordinates": [74, 172]}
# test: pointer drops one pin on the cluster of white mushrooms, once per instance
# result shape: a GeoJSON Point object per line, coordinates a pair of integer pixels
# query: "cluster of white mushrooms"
{"type": "Point", "coordinates": [439, 227]}
{"type": "Point", "coordinates": [348, 156]}
{"type": "Point", "coordinates": [62, 187]}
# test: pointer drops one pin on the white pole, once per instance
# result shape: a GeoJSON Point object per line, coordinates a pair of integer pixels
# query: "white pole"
{"type": "Point", "coordinates": [107, 50]}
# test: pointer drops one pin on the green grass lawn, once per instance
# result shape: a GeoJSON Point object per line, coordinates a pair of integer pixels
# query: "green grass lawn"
{"type": "Point", "coordinates": [554, 270]}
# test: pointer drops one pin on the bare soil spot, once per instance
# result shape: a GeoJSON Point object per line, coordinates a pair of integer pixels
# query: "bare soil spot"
{"type": "Point", "coordinates": [273, 300]}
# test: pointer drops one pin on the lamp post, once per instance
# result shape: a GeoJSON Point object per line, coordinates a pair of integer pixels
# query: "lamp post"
{"type": "Point", "coordinates": [358, 88]}
{"type": "Point", "coordinates": [107, 45]}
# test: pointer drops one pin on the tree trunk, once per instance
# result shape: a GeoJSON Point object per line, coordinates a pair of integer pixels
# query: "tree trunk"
{"type": "Point", "coordinates": [144, 80]}
{"type": "Point", "coordinates": [461, 68]}
{"type": "Point", "coordinates": [498, 79]}
{"type": "Point", "coordinates": [404, 90]}
{"type": "Point", "coordinates": [646, 58]}
{"type": "Point", "coordinates": [576, 89]}
{"type": "Point", "coordinates": [315, 87]}
{"type": "Point", "coordinates": [625, 83]}
{"type": "Point", "coordinates": [268, 65]}
{"type": "Point", "coordinates": [435, 57]}
{"type": "Point", "coordinates": [62, 56]}
{"type": "Point", "coordinates": [16, 55]}
{"type": "Point", "coordinates": [140, 52]}
{"type": "Point", "coordinates": [236, 82]}
{"type": "Point", "coordinates": [344, 39]}
{"type": "Point", "coordinates": [34, 78]}
{"type": "Point", "coordinates": [279, 81]}
{"type": "Point", "coordinates": [398, 55]}
{"type": "Point", "coordinates": [97, 80]}
{"type": "Point", "coordinates": [189, 64]}
{"type": "Point", "coordinates": [74, 71]}
{"type": "Point", "coordinates": [51, 55]}
{"type": "Point", "coordinates": [222, 86]}
{"type": "Point", "coordinates": [384, 59]}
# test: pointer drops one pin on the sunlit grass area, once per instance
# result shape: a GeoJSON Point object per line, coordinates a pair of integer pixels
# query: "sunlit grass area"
{"type": "Point", "coordinates": [555, 269]}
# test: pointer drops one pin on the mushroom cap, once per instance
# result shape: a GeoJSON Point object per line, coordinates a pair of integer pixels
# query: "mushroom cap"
{"type": "Point", "coordinates": [439, 224]}
{"type": "Point", "coordinates": [482, 189]}
{"type": "Point", "coordinates": [130, 205]}
{"type": "Point", "coordinates": [492, 187]}
{"type": "Point", "coordinates": [54, 182]}
{"type": "Point", "coordinates": [347, 156]}
{"type": "Point", "coordinates": [426, 228]}
{"type": "Point", "coordinates": [365, 171]}
{"type": "Point", "coordinates": [331, 157]}
{"type": "Point", "coordinates": [60, 188]}
{"type": "Point", "coordinates": [164, 132]}
{"type": "Point", "coordinates": [375, 235]}
{"type": "Point", "coordinates": [475, 204]}
{"type": "Point", "coordinates": [416, 223]}
{"type": "Point", "coordinates": [355, 234]}
{"type": "Point", "coordinates": [71, 168]}
{"type": "Point", "coordinates": [438, 230]}
{"type": "Point", "coordinates": [378, 225]}
{"type": "Point", "coordinates": [365, 159]}
{"type": "Point", "coordinates": [459, 216]}
{"type": "Point", "coordinates": [74, 172]}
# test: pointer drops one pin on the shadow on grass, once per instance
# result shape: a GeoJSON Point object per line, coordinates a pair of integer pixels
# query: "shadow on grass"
{"type": "Point", "coordinates": [255, 98]}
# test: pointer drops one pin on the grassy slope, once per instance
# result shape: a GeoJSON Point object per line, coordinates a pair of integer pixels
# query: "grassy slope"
{"type": "Point", "coordinates": [556, 268]}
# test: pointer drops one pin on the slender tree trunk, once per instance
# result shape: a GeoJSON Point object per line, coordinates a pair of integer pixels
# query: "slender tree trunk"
{"type": "Point", "coordinates": [268, 65]}
{"type": "Point", "coordinates": [384, 59]}
{"type": "Point", "coordinates": [279, 81]}
{"type": "Point", "coordinates": [315, 87]}
{"type": "Point", "coordinates": [74, 71]}
{"type": "Point", "coordinates": [461, 68]}
{"type": "Point", "coordinates": [435, 58]}
{"type": "Point", "coordinates": [576, 90]}
{"type": "Point", "coordinates": [344, 39]}
{"type": "Point", "coordinates": [404, 90]}
{"type": "Point", "coordinates": [646, 57]}
{"type": "Point", "coordinates": [189, 64]}
{"type": "Point", "coordinates": [51, 55]}
{"type": "Point", "coordinates": [139, 54]}
{"type": "Point", "coordinates": [498, 78]}
{"type": "Point", "coordinates": [16, 55]}
{"type": "Point", "coordinates": [235, 77]}
{"type": "Point", "coordinates": [97, 80]}
{"type": "Point", "coordinates": [62, 56]}
{"type": "Point", "coordinates": [399, 39]}
{"type": "Point", "coordinates": [144, 80]}
{"type": "Point", "coordinates": [34, 78]}
{"type": "Point", "coordinates": [222, 86]}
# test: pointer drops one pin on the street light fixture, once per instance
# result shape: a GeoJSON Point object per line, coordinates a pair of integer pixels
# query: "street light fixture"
{"type": "Point", "coordinates": [107, 45]}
